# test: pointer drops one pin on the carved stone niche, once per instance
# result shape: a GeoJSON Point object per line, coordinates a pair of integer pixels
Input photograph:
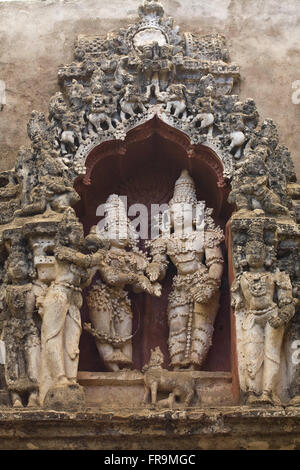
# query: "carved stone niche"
{"type": "Point", "coordinates": [145, 168]}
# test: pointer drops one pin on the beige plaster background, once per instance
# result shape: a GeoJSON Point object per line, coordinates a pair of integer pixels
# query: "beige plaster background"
{"type": "Point", "coordinates": [36, 36]}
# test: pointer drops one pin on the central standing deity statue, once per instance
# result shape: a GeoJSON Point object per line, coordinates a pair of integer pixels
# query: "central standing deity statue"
{"type": "Point", "coordinates": [195, 251]}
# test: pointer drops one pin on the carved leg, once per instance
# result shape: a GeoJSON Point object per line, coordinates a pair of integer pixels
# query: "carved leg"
{"type": "Point", "coordinates": [12, 366]}
{"type": "Point", "coordinates": [55, 311]}
{"type": "Point", "coordinates": [33, 366]}
{"type": "Point", "coordinates": [178, 318]}
{"type": "Point", "coordinates": [124, 330]}
{"type": "Point", "coordinates": [202, 331]}
{"type": "Point", "coordinates": [72, 332]}
{"type": "Point", "coordinates": [273, 343]}
{"type": "Point", "coordinates": [146, 395]}
{"type": "Point", "coordinates": [237, 140]}
{"type": "Point", "coordinates": [189, 398]}
{"type": "Point", "coordinates": [163, 81]}
{"type": "Point", "coordinates": [33, 362]}
{"type": "Point", "coordinates": [102, 321]}
{"type": "Point", "coordinates": [154, 387]}
{"type": "Point", "coordinates": [254, 357]}
{"type": "Point", "coordinates": [169, 107]}
{"type": "Point", "coordinates": [60, 337]}
{"type": "Point", "coordinates": [171, 400]}
{"type": "Point", "coordinates": [179, 110]}
{"type": "Point", "coordinates": [33, 400]}
{"type": "Point", "coordinates": [207, 121]}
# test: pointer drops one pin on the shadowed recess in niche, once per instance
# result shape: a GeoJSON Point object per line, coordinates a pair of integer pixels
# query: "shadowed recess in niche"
{"type": "Point", "coordinates": [146, 174]}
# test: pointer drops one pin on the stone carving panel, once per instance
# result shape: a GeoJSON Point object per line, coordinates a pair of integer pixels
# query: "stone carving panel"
{"type": "Point", "coordinates": [115, 84]}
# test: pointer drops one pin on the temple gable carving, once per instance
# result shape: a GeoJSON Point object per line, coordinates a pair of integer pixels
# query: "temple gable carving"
{"type": "Point", "coordinates": [152, 114]}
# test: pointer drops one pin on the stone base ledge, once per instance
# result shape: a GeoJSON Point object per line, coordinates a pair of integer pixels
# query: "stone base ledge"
{"type": "Point", "coordinates": [126, 388]}
{"type": "Point", "coordinates": [222, 428]}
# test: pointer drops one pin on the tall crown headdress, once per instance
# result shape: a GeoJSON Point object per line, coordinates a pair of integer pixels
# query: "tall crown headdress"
{"type": "Point", "coordinates": [185, 190]}
{"type": "Point", "coordinates": [117, 224]}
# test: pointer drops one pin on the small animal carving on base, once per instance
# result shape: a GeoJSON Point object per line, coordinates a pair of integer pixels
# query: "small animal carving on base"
{"type": "Point", "coordinates": [181, 388]}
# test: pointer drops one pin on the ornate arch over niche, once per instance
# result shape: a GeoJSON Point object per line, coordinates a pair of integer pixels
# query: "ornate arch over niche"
{"type": "Point", "coordinates": [156, 141]}
{"type": "Point", "coordinates": [150, 87]}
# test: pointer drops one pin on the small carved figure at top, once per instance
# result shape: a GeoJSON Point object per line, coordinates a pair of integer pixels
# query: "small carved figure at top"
{"type": "Point", "coordinates": [156, 69]}
{"type": "Point", "coordinates": [52, 190]}
{"type": "Point", "coordinates": [131, 104]}
{"type": "Point", "coordinates": [175, 101]}
{"type": "Point", "coordinates": [151, 8]}
{"type": "Point", "coordinates": [250, 191]}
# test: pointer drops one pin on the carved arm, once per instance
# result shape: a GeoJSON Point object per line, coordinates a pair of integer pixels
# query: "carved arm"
{"type": "Point", "coordinates": [70, 255]}
{"type": "Point", "coordinates": [157, 269]}
{"type": "Point", "coordinates": [214, 262]}
{"type": "Point", "coordinates": [286, 302]}
{"type": "Point", "coordinates": [116, 278]}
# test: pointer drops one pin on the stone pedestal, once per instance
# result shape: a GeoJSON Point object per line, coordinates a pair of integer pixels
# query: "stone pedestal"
{"type": "Point", "coordinates": [126, 389]}
{"type": "Point", "coordinates": [217, 428]}
{"type": "Point", "coordinates": [67, 397]}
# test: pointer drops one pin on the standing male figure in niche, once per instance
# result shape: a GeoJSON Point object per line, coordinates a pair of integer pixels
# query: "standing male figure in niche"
{"type": "Point", "coordinates": [196, 253]}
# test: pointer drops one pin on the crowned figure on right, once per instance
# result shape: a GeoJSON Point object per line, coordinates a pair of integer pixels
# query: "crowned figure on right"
{"type": "Point", "coordinates": [192, 242]}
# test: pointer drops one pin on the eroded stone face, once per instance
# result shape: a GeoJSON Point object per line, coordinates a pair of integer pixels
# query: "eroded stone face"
{"type": "Point", "coordinates": [114, 85]}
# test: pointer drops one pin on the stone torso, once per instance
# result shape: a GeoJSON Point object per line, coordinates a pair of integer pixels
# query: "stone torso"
{"type": "Point", "coordinates": [258, 290]}
{"type": "Point", "coordinates": [186, 252]}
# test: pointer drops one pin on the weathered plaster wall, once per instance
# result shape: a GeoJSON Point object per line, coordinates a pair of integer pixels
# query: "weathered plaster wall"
{"type": "Point", "coordinates": [37, 36]}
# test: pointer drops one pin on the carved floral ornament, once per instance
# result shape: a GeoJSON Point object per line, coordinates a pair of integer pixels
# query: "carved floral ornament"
{"type": "Point", "coordinates": [146, 73]}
